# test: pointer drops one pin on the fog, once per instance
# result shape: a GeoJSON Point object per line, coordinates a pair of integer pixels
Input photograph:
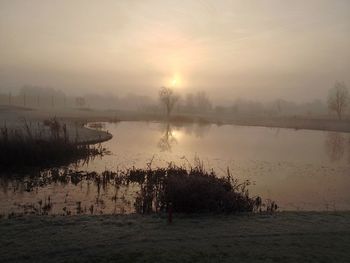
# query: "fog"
{"type": "Point", "coordinates": [256, 50]}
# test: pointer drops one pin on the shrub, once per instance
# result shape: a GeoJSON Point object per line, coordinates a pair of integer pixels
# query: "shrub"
{"type": "Point", "coordinates": [191, 191]}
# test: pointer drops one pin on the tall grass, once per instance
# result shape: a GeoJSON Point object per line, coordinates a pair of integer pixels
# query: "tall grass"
{"type": "Point", "coordinates": [158, 190]}
{"type": "Point", "coordinates": [23, 148]}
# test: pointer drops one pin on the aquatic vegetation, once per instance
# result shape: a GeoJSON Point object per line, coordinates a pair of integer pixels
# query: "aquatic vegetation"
{"type": "Point", "coordinates": [20, 147]}
{"type": "Point", "coordinates": [191, 191]}
{"type": "Point", "coordinates": [150, 190]}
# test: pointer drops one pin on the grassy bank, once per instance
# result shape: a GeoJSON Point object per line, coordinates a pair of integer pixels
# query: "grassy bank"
{"type": "Point", "coordinates": [322, 123]}
{"type": "Point", "coordinates": [93, 115]}
{"type": "Point", "coordinates": [283, 237]}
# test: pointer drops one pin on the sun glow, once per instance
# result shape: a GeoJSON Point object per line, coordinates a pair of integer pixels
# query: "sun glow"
{"type": "Point", "coordinates": [175, 81]}
{"type": "Point", "coordinates": [176, 134]}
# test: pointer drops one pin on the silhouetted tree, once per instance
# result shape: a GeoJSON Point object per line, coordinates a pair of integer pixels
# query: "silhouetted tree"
{"type": "Point", "coordinates": [203, 102]}
{"type": "Point", "coordinates": [80, 101]}
{"type": "Point", "coordinates": [199, 102]}
{"type": "Point", "coordinates": [220, 110]}
{"type": "Point", "coordinates": [338, 98]}
{"type": "Point", "coordinates": [40, 96]}
{"type": "Point", "coordinates": [189, 103]}
{"type": "Point", "coordinates": [168, 98]}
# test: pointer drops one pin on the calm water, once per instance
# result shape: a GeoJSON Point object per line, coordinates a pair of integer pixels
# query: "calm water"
{"type": "Point", "coordinates": [301, 170]}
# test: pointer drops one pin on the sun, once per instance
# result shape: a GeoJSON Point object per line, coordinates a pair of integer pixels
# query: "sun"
{"type": "Point", "coordinates": [175, 81]}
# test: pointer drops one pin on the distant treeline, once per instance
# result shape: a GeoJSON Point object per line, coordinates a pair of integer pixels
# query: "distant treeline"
{"type": "Point", "coordinates": [36, 97]}
{"type": "Point", "coordinates": [200, 103]}
{"type": "Point", "coordinates": [45, 97]}
{"type": "Point", "coordinates": [188, 103]}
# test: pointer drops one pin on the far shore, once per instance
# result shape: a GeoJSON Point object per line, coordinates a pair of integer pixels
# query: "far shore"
{"type": "Point", "coordinates": [281, 237]}
{"type": "Point", "coordinates": [77, 118]}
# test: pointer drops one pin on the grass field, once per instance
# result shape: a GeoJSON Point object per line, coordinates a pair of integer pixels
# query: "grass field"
{"type": "Point", "coordinates": [283, 237]}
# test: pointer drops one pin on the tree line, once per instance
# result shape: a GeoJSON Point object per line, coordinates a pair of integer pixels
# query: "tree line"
{"type": "Point", "coordinates": [169, 101]}
{"type": "Point", "coordinates": [338, 101]}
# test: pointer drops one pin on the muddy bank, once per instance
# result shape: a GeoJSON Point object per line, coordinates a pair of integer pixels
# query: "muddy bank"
{"type": "Point", "coordinates": [283, 237]}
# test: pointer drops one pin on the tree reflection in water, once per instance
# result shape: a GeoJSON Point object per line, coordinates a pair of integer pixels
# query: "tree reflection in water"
{"type": "Point", "coordinates": [335, 146]}
{"type": "Point", "coordinates": [172, 131]}
{"type": "Point", "coordinates": [167, 140]}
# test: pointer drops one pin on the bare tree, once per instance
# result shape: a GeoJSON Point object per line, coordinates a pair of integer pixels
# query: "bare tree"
{"type": "Point", "coordinates": [189, 103]}
{"type": "Point", "coordinates": [203, 102]}
{"type": "Point", "coordinates": [168, 98]}
{"type": "Point", "coordinates": [338, 98]}
{"type": "Point", "coordinates": [80, 101]}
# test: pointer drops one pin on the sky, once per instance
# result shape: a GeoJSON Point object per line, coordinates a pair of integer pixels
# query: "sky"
{"type": "Point", "coordinates": [259, 50]}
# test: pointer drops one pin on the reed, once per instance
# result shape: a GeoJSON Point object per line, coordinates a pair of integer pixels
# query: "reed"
{"type": "Point", "coordinates": [182, 190]}
{"type": "Point", "coordinates": [20, 148]}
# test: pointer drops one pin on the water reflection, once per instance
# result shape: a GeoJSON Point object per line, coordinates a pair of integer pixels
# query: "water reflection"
{"type": "Point", "coordinates": [199, 130]}
{"type": "Point", "coordinates": [172, 133]}
{"type": "Point", "coordinates": [65, 192]}
{"type": "Point", "coordinates": [168, 139]}
{"type": "Point", "coordinates": [335, 146]}
{"type": "Point", "coordinates": [299, 169]}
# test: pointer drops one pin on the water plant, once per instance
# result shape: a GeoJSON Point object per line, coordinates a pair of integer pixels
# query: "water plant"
{"type": "Point", "coordinates": [153, 190]}
{"type": "Point", "coordinates": [49, 146]}
{"type": "Point", "coordinates": [191, 191]}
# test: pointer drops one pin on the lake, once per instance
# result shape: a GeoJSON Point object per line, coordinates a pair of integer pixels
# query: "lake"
{"type": "Point", "coordinates": [299, 169]}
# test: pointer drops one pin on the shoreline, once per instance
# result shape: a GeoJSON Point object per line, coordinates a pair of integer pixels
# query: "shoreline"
{"type": "Point", "coordinates": [77, 131]}
{"type": "Point", "coordinates": [312, 236]}
{"type": "Point", "coordinates": [286, 122]}
{"type": "Point", "coordinates": [77, 119]}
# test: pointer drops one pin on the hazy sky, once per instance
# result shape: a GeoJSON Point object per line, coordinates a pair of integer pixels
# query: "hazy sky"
{"type": "Point", "coordinates": [252, 49]}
